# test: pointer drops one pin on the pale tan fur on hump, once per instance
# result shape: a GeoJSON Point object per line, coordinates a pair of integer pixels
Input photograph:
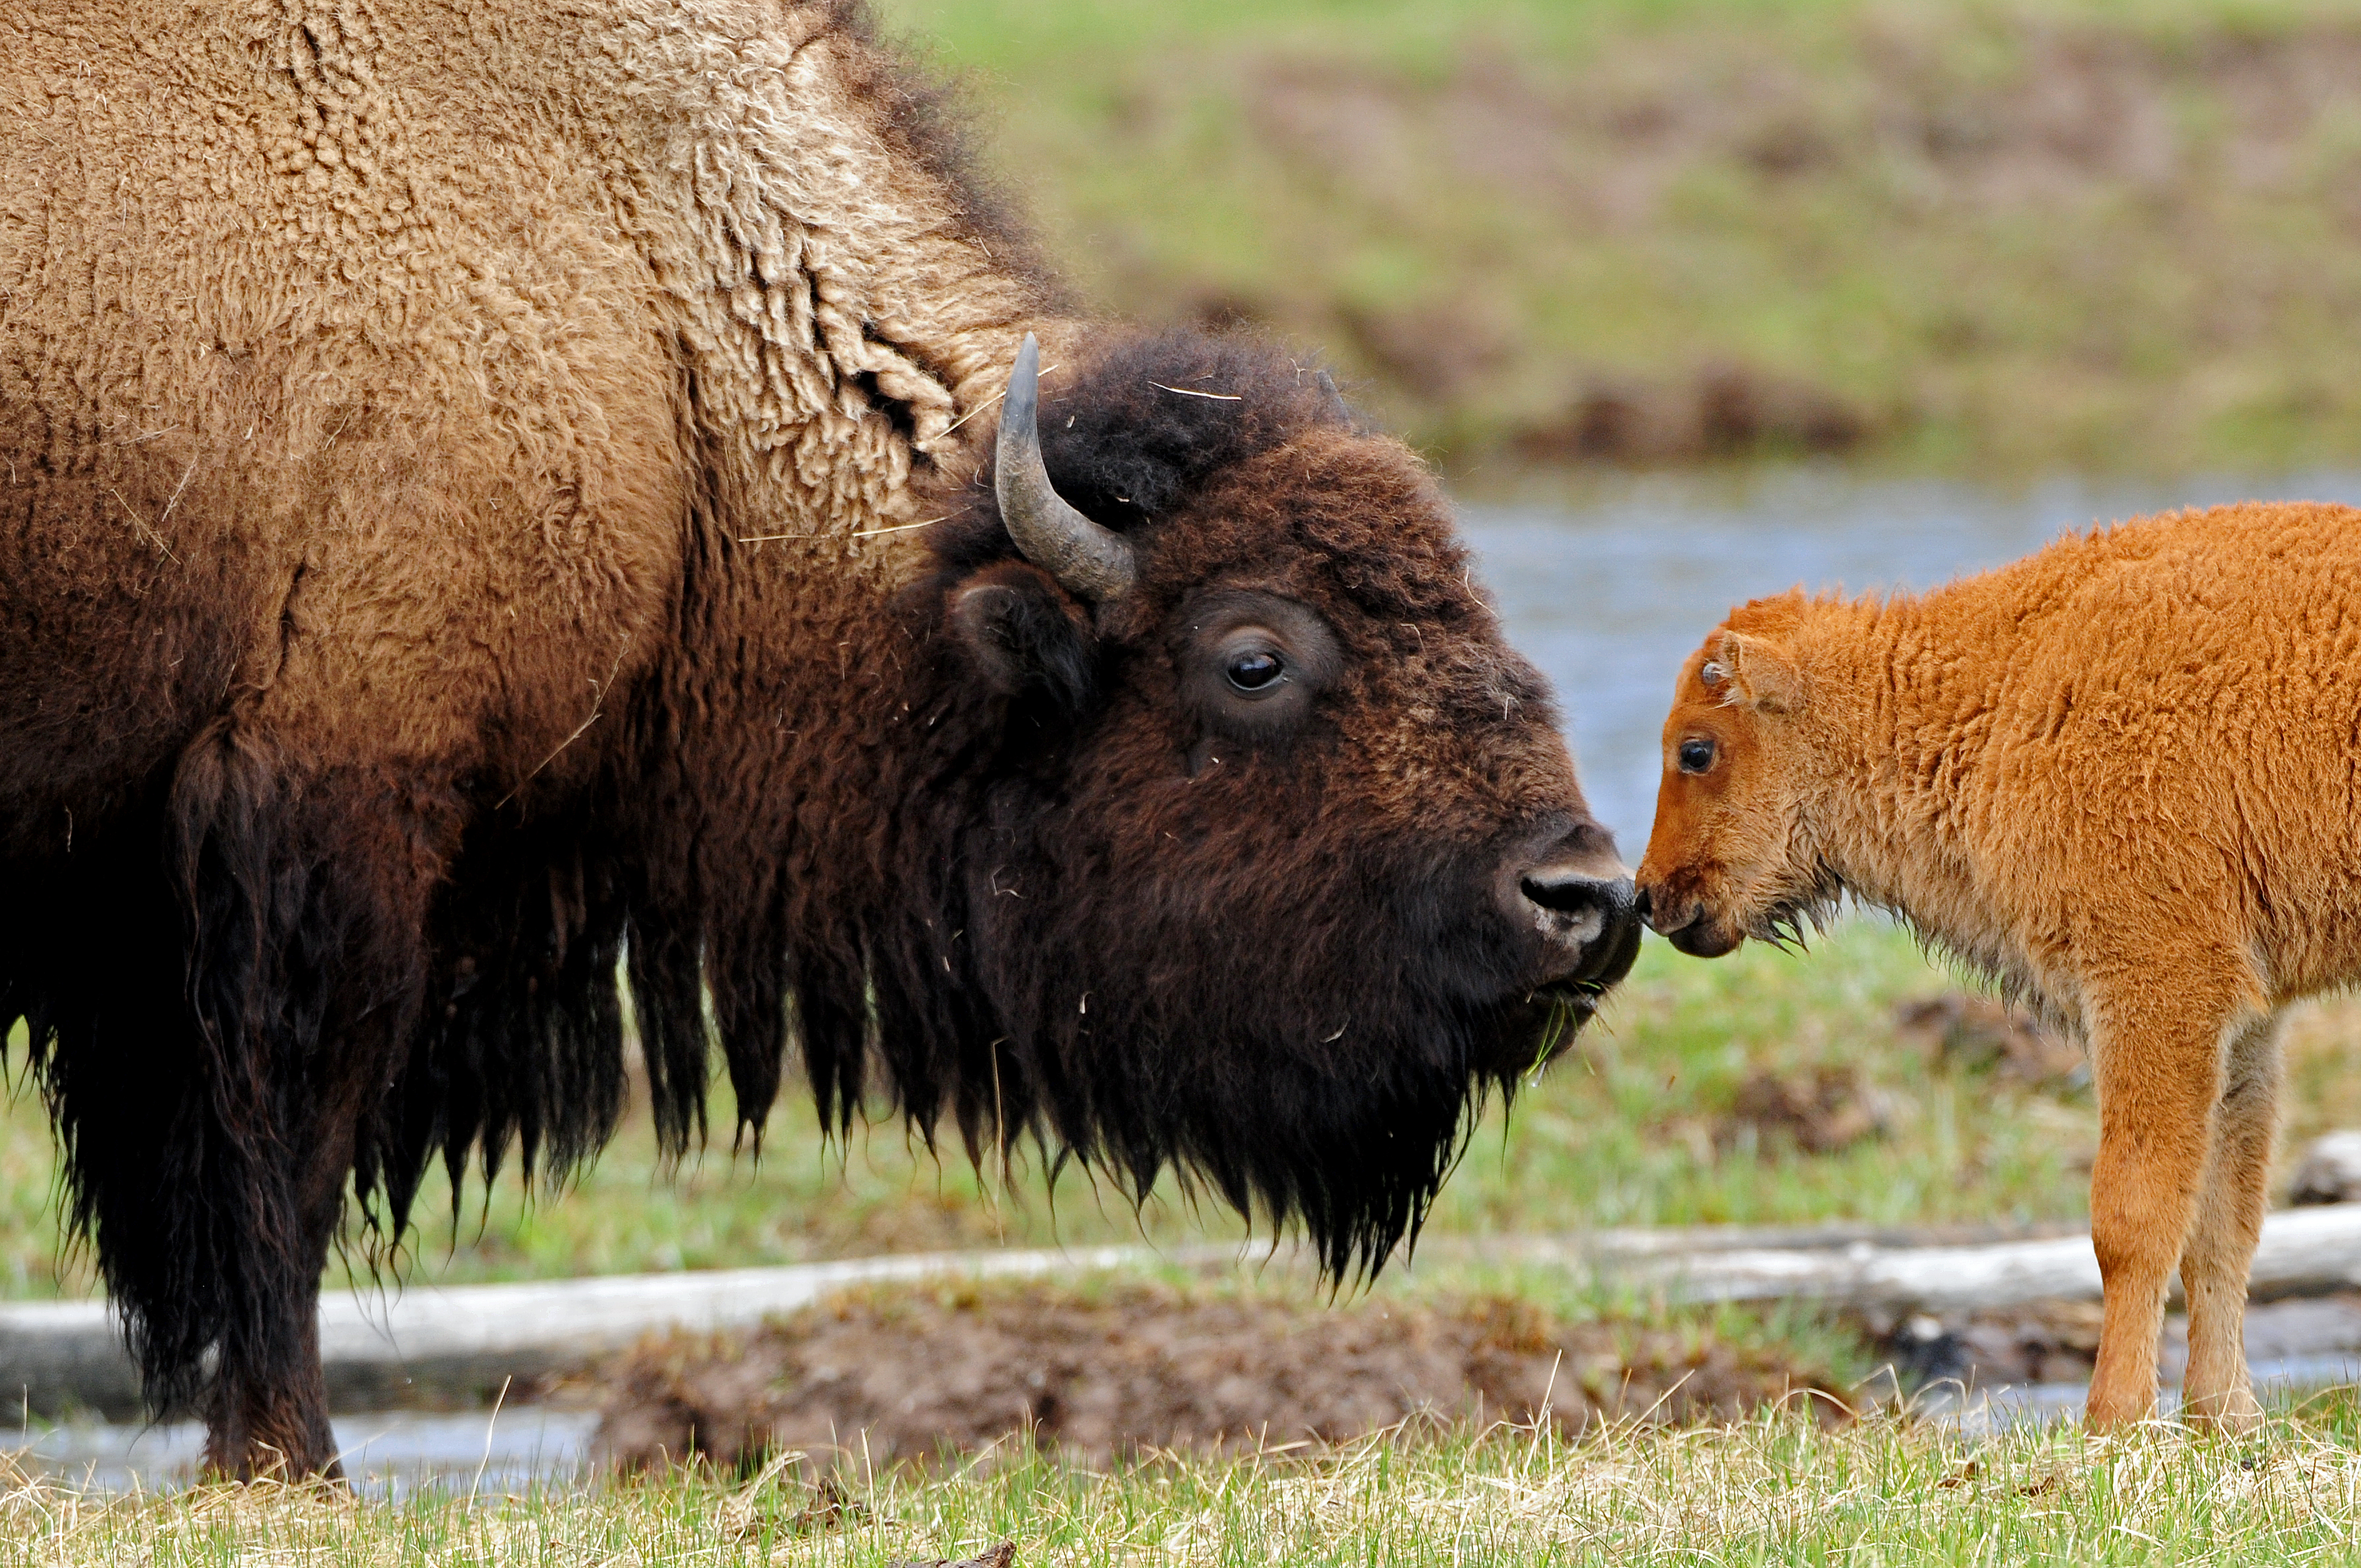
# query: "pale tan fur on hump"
{"type": "Point", "coordinates": [409, 338]}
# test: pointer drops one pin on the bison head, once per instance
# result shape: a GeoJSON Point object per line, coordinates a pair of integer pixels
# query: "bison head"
{"type": "Point", "coordinates": [1727, 858]}
{"type": "Point", "coordinates": [1246, 845]}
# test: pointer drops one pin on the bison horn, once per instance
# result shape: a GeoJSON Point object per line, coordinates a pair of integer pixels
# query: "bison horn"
{"type": "Point", "coordinates": [1087, 559]}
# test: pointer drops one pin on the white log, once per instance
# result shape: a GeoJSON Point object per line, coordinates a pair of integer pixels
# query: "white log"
{"type": "Point", "coordinates": [382, 1346]}
{"type": "Point", "coordinates": [2303, 1252]}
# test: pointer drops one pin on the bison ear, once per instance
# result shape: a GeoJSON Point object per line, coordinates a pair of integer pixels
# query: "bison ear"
{"type": "Point", "coordinates": [1760, 673]}
{"type": "Point", "coordinates": [1025, 636]}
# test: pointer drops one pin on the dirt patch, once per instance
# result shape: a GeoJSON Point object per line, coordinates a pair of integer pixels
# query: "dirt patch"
{"type": "Point", "coordinates": [1976, 1034]}
{"type": "Point", "coordinates": [1819, 1111]}
{"type": "Point", "coordinates": [1137, 1368]}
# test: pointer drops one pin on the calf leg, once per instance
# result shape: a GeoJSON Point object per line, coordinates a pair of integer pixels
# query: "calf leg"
{"type": "Point", "coordinates": [2229, 1219]}
{"type": "Point", "coordinates": [2158, 1074]}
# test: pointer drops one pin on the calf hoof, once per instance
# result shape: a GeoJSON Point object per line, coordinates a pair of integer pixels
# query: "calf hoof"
{"type": "Point", "coordinates": [2232, 1414]}
{"type": "Point", "coordinates": [2112, 1412]}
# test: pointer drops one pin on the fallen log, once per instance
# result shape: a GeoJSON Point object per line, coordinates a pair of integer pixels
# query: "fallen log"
{"type": "Point", "coordinates": [2304, 1252]}
{"type": "Point", "coordinates": [384, 1349]}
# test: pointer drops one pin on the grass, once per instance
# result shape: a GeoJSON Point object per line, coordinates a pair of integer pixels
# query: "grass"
{"type": "Point", "coordinates": [1774, 1490]}
{"type": "Point", "coordinates": [1633, 1127]}
{"type": "Point", "coordinates": [2018, 233]}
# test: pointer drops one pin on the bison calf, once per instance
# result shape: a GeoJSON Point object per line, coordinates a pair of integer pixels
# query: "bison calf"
{"type": "Point", "coordinates": [2119, 777]}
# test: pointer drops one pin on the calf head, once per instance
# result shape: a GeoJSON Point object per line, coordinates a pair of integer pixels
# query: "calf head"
{"type": "Point", "coordinates": [1727, 858]}
{"type": "Point", "coordinates": [1258, 851]}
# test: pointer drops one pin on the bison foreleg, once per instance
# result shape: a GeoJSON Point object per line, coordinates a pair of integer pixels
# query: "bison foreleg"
{"type": "Point", "coordinates": [2158, 1060]}
{"type": "Point", "coordinates": [2229, 1220]}
{"type": "Point", "coordinates": [305, 890]}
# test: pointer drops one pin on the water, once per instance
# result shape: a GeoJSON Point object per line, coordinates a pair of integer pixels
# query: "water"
{"type": "Point", "coordinates": [389, 1453]}
{"type": "Point", "coordinates": [1611, 597]}
{"type": "Point", "coordinates": [1983, 1412]}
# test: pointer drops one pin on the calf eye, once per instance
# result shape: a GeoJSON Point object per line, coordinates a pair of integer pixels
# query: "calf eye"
{"type": "Point", "coordinates": [1256, 671]}
{"type": "Point", "coordinates": [1696, 754]}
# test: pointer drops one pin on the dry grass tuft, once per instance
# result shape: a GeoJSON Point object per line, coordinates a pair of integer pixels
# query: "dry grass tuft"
{"type": "Point", "coordinates": [1776, 1488]}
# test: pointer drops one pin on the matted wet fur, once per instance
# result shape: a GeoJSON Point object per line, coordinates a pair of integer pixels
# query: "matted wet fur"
{"type": "Point", "coordinates": [486, 506]}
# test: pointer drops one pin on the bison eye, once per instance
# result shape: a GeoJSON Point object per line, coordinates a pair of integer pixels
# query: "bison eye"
{"type": "Point", "coordinates": [1257, 670]}
{"type": "Point", "coordinates": [1696, 754]}
{"type": "Point", "coordinates": [1252, 667]}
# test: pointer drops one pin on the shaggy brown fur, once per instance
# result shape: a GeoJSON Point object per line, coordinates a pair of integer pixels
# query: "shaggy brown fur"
{"type": "Point", "coordinates": [2118, 775]}
{"type": "Point", "coordinates": [472, 498]}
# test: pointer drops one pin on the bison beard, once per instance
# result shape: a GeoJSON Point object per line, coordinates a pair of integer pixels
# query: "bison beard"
{"type": "Point", "coordinates": [1342, 1107]}
{"type": "Point", "coordinates": [974, 954]}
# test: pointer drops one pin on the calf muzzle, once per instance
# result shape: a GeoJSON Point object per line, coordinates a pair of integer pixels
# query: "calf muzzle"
{"type": "Point", "coordinates": [1685, 924]}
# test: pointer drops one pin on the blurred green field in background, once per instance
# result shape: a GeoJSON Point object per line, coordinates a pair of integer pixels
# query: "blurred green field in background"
{"type": "Point", "coordinates": [1961, 236]}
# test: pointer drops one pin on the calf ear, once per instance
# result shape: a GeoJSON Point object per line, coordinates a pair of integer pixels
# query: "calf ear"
{"type": "Point", "coordinates": [1025, 636]}
{"type": "Point", "coordinates": [1760, 673]}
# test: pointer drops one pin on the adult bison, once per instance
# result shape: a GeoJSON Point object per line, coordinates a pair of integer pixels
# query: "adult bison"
{"type": "Point", "coordinates": [498, 495]}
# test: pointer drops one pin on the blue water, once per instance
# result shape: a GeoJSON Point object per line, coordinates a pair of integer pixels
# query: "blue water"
{"type": "Point", "coordinates": [392, 1454]}
{"type": "Point", "coordinates": [1609, 597]}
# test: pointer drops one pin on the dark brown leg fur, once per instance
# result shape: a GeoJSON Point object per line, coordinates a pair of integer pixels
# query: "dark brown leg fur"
{"type": "Point", "coordinates": [307, 894]}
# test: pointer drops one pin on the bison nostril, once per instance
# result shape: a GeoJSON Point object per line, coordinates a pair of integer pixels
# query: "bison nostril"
{"type": "Point", "coordinates": [1570, 892]}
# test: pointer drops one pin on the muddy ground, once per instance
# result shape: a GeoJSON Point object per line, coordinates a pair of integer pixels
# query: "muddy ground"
{"type": "Point", "coordinates": [1135, 1367]}
{"type": "Point", "coordinates": [1128, 1369]}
